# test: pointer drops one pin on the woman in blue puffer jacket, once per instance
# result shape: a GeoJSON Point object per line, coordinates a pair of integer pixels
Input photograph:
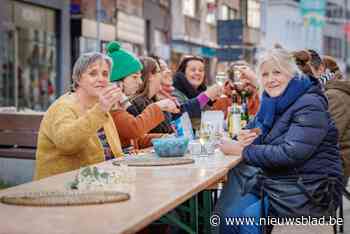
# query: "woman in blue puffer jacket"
{"type": "Point", "coordinates": [297, 136]}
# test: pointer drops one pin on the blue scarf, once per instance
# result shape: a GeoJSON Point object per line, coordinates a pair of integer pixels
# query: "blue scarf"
{"type": "Point", "coordinates": [274, 106]}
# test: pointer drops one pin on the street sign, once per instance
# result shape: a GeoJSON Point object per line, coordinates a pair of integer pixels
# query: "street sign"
{"type": "Point", "coordinates": [229, 54]}
{"type": "Point", "coordinates": [313, 12]}
{"type": "Point", "coordinates": [230, 32]}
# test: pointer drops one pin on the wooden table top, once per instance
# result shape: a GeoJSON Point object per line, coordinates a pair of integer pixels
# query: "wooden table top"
{"type": "Point", "coordinates": [154, 192]}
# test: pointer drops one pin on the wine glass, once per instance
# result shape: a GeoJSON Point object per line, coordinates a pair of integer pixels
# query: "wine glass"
{"type": "Point", "coordinates": [220, 80]}
{"type": "Point", "coordinates": [206, 139]}
{"type": "Point", "coordinates": [218, 134]}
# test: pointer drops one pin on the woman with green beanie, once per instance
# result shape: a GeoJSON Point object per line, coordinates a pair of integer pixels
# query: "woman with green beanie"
{"type": "Point", "coordinates": [126, 71]}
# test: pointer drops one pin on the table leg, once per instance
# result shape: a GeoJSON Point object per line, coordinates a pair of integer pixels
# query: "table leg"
{"type": "Point", "coordinates": [171, 219]}
{"type": "Point", "coordinates": [206, 210]}
{"type": "Point", "coordinates": [194, 213]}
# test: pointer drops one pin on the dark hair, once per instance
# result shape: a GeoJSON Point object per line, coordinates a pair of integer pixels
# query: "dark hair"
{"type": "Point", "coordinates": [185, 60]}
{"type": "Point", "coordinates": [305, 59]}
{"type": "Point", "coordinates": [315, 59]}
{"type": "Point", "coordinates": [156, 58]}
{"type": "Point", "coordinates": [302, 60]}
{"type": "Point", "coordinates": [331, 64]}
{"type": "Point", "coordinates": [149, 68]}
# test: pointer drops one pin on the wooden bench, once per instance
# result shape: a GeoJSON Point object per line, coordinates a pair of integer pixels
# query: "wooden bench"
{"type": "Point", "coordinates": [18, 135]}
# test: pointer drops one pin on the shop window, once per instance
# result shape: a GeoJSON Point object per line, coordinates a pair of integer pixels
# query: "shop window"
{"type": "Point", "coordinates": [333, 46]}
{"type": "Point", "coordinates": [88, 45]}
{"type": "Point", "coordinates": [253, 14]}
{"type": "Point", "coordinates": [225, 14]}
{"type": "Point", "coordinates": [189, 7]}
{"type": "Point", "coordinates": [36, 69]}
{"type": "Point", "coordinates": [28, 59]}
{"type": "Point", "coordinates": [164, 3]}
{"type": "Point", "coordinates": [211, 12]}
{"type": "Point", "coordinates": [228, 13]}
{"type": "Point", "coordinates": [7, 61]}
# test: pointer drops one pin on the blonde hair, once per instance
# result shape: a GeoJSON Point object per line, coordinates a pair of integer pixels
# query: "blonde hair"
{"type": "Point", "coordinates": [281, 59]}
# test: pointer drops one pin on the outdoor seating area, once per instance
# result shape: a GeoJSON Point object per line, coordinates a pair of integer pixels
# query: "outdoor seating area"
{"type": "Point", "coordinates": [129, 137]}
{"type": "Point", "coordinates": [178, 186]}
{"type": "Point", "coordinates": [18, 135]}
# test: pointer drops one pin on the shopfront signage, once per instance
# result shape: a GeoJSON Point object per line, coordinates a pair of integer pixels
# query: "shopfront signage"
{"type": "Point", "coordinates": [28, 16]}
{"type": "Point", "coordinates": [230, 32]}
{"type": "Point", "coordinates": [313, 12]}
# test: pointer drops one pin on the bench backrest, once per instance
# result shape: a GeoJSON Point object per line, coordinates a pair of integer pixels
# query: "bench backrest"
{"type": "Point", "coordinates": [19, 129]}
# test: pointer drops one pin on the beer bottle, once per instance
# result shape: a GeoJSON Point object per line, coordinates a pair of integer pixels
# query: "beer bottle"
{"type": "Point", "coordinates": [244, 113]}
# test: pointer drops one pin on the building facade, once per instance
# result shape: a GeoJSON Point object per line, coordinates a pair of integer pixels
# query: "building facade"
{"type": "Point", "coordinates": [117, 20]}
{"type": "Point", "coordinates": [335, 42]}
{"type": "Point", "coordinates": [130, 27]}
{"type": "Point", "coordinates": [35, 58]}
{"type": "Point", "coordinates": [84, 33]}
{"type": "Point", "coordinates": [284, 24]}
{"type": "Point", "coordinates": [250, 11]}
{"type": "Point", "coordinates": [158, 27]}
{"type": "Point", "coordinates": [228, 10]}
{"type": "Point", "coordinates": [194, 32]}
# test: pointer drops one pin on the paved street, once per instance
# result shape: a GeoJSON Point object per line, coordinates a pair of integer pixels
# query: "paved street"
{"type": "Point", "coordinates": [347, 214]}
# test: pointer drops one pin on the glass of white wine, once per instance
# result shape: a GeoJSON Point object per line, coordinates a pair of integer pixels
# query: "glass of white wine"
{"type": "Point", "coordinates": [204, 137]}
{"type": "Point", "coordinates": [220, 80]}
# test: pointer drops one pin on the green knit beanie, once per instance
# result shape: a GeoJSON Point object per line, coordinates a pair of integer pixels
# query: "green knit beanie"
{"type": "Point", "coordinates": [124, 62]}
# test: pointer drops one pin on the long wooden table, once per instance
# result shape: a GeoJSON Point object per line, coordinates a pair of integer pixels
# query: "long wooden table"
{"type": "Point", "coordinates": [155, 191]}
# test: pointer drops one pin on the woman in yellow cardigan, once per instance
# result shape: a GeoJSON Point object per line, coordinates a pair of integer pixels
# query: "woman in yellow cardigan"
{"type": "Point", "coordinates": [77, 130]}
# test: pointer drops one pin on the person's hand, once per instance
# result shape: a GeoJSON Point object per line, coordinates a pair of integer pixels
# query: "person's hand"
{"type": "Point", "coordinates": [248, 75]}
{"type": "Point", "coordinates": [228, 88]}
{"type": "Point", "coordinates": [165, 92]}
{"type": "Point", "coordinates": [246, 137]}
{"type": "Point", "coordinates": [214, 92]}
{"type": "Point", "coordinates": [109, 97]}
{"type": "Point", "coordinates": [125, 102]}
{"type": "Point", "coordinates": [229, 147]}
{"type": "Point", "coordinates": [168, 105]}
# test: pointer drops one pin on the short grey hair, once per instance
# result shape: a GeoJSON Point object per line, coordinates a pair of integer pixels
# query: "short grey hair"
{"type": "Point", "coordinates": [281, 58]}
{"type": "Point", "coordinates": [84, 61]}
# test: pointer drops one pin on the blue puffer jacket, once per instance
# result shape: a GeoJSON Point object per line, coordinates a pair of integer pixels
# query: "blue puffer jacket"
{"type": "Point", "coordinates": [304, 138]}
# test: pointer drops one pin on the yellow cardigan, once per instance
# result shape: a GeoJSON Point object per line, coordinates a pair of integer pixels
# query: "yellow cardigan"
{"type": "Point", "coordinates": [68, 138]}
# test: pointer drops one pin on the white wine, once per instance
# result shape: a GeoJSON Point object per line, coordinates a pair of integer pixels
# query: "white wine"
{"type": "Point", "coordinates": [203, 137]}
